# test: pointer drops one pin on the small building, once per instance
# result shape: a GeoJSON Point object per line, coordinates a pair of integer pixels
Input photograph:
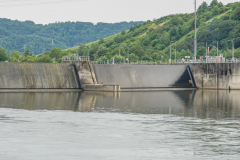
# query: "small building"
{"type": "Point", "coordinates": [215, 59]}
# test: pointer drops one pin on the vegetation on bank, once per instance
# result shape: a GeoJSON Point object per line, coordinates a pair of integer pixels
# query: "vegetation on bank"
{"type": "Point", "coordinates": [151, 40]}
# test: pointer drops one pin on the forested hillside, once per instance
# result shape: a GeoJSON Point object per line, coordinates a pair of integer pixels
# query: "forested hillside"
{"type": "Point", "coordinates": [151, 40]}
{"type": "Point", "coordinates": [14, 35]}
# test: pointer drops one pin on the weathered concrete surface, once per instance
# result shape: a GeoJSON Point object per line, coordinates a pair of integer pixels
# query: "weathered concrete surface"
{"type": "Point", "coordinates": [14, 75]}
{"type": "Point", "coordinates": [217, 75]}
{"type": "Point", "coordinates": [86, 73]}
{"type": "Point", "coordinates": [143, 76]}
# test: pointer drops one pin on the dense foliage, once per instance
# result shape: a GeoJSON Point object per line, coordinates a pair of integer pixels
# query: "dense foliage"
{"type": "Point", "coordinates": [16, 35]}
{"type": "Point", "coordinates": [151, 40]}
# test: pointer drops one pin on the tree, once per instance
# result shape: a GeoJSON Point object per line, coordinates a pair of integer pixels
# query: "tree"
{"type": "Point", "coordinates": [28, 53]}
{"type": "Point", "coordinates": [202, 8]}
{"type": "Point", "coordinates": [82, 50]}
{"type": "Point", "coordinates": [102, 51]}
{"type": "Point", "coordinates": [201, 51]}
{"type": "Point", "coordinates": [119, 58]}
{"type": "Point", "coordinates": [133, 57]}
{"type": "Point", "coordinates": [137, 50]}
{"type": "Point", "coordinates": [101, 41]}
{"type": "Point", "coordinates": [55, 53]}
{"type": "Point", "coordinates": [29, 59]}
{"type": "Point", "coordinates": [213, 51]}
{"type": "Point", "coordinates": [146, 57]}
{"type": "Point", "coordinates": [214, 3]}
{"type": "Point", "coordinates": [3, 55]}
{"type": "Point", "coordinates": [123, 32]}
{"type": "Point", "coordinates": [45, 59]}
{"type": "Point", "coordinates": [236, 14]}
{"type": "Point", "coordinates": [16, 54]}
{"type": "Point", "coordinates": [215, 11]}
{"type": "Point", "coordinates": [15, 57]}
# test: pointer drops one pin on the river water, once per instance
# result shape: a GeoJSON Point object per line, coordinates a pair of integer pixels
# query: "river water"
{"type": "Point", "coordinates": [201, 124]}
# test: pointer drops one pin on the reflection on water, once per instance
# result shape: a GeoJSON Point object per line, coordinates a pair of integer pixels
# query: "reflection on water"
{"type": "Point", "coordinates": [200, 103]}
{"type": "Point", "coordinates": [201, 124]}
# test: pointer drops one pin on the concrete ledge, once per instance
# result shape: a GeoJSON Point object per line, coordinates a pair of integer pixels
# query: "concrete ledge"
{"type": "Point", "coordinates": [101, 87]}
{"type": "Point", "coordinates": [39, 90]}
{"type": "Point", "coordinates": [155, 89]}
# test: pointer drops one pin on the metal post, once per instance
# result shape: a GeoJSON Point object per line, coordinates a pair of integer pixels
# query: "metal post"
{"type": "Point", "coordinates": [128, 54]}
{"type": "Point", "coordinates": [195, 37]}
{"type": "Point", "coordinates": [88, 52]}
{"type": "Point", "coordinates": [170, 53]}
{"type": "Point", "coordinates": [119, 49]}
{"type": "Point", "coordinates": [175, 53]}
{"type": "Point", "coordinates": [217, 48]}
{"type": "Point", "coordinates": [233, 49]}
{"type": "Point", "coordinates": [206, 49]}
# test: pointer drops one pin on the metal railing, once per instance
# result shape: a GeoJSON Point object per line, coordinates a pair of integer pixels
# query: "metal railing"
{"type": "Point", "coordinates": [155, 62]}
{"type": "Point", "coordinates": [235, 60]}
{"type": "Point", "coordinates": [126, 62]}
{"type": "Point", "coordinates": [75, 58]}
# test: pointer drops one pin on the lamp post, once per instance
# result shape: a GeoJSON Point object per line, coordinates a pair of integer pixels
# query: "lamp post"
{"type": "Point", "coordinates": [171, 51]}
{"type": "Point", "coordinates": [233, 47]}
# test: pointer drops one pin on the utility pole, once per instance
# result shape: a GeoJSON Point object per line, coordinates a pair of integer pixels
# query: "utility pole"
{"type": "Point", "coordinates": [175, 53]}
{"type": "Point", "coordinates": [171, 52]}
{"type": "Point", "coordinates": [206, 49]}
{"type": "Point", "coordinates": [24, 48]}
{"type": "Point", "coordinates": [195, 37]}
{"type": "Point", "coordinates": [217, 48]}
{"type": "Point", "coordinates": [233, 47]}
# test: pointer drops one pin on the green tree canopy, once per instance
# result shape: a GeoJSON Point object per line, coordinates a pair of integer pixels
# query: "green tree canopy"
{"type": "Point", "coordinates": [28, 53]}
{"type": "Point", "coordinates": [16, 54]}
{"type": "Point", "coordinates": [55, 53]}
{"type": "Point", "coordinates": [82, 50]}
{"type": "Point", "coordinates": [3, 55]}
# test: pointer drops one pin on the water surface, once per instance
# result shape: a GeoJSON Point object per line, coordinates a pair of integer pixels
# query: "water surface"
{"type": "Point", "coordinates": [201, 124]}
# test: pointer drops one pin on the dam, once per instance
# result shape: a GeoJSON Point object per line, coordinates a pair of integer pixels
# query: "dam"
{"type": "Point", "coordinates": [83, 75]}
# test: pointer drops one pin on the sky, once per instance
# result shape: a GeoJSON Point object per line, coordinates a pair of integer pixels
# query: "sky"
{"type": "Point", "coordinates": [109, 11]}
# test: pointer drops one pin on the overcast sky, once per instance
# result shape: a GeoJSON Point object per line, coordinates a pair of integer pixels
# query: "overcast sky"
{"type": "Point", "coordinates": [110, 11]}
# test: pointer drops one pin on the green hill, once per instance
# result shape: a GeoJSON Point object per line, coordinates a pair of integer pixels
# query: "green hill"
{"type": "Point", "coordinates": [151, 40]}
{"type": "Point", "coordinates": [14, 35]}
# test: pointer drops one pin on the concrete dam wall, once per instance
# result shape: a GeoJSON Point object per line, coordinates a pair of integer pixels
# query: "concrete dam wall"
{"type": "Point", "coordinates": [143, 76]}
{"type": "Point", "coordinates": [104, 77]}
{"type": "Point", "coordinates": [37, 76]}
{"type": "Point", "coordinates": [217, 75]}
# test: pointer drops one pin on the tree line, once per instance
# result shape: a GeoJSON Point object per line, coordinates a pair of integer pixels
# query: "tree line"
{"type": "Point", "coordinates": [17, 36]}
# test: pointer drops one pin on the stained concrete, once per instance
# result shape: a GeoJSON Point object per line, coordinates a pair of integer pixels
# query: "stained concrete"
{"type": "Point", "coordinates": [14, 75]}
{"type": "Point", "coordinates": [143, 76]}
{"type": "Point", "coordinates": [217, 75]}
